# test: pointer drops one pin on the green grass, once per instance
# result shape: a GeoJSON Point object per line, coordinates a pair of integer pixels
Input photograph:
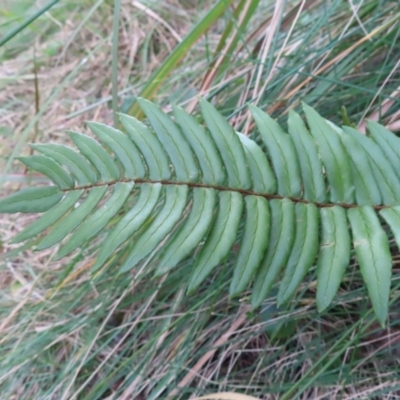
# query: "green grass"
{"type": "Point", "coordinates": [65, 335]}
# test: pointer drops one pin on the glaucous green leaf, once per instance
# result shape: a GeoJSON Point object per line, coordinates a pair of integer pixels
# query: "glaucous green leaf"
{"type": "Point", "coordinates": [131, 222]}
{"type": "Point", "coordinates": [220, 239]}
{"type": "Point", "coordinates": [99, 219]}
{"type": "Point", "coordinates": [310, 164]}
{"type": "Point", "coordinates": [262, 176]}
{"type": "Point", "coordinates": [71, 160]}
{"type": "Point", "coordinates": [373, 255]}
{"type": "Point", "coordinates": [150, 147]}
{"type": "Point", "coordinates": [335, 159]}
{"type": "Point", "coordinates": [66, 225]}
{"type": "Point", "coordinates": [280, 244]}
{"type": "Point", "coordinates": [229, 146]}
{"type": "Point", "coordinates": [97, 155]}
{"type": "Point", "coordinates": [51, 169]}
{"type": "Point", "coordinates": [163, 223]}
{"type": "Point", "coordinates": [281, 151]}
{"type": "Point", "coordinates": [213, 172]}
{"type": "Point", "coordinates": [124, 149]}
{"type": "Point", "coordinates": [304, 250]}
{"type": "Point", "coordinates": [334, 254]}
{"type": "Point", "coordinates": [31, 200]}
{"type": "Point", "coordinates": [253, 243]}
{"type": "Point", "coordinates": [50, 217]}
{"type": "Point", "coordinates": [281, 231]}
{"type": "Point", "coordinates": [192, 231]}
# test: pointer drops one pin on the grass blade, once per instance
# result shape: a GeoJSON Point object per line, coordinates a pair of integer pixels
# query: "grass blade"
{"type": "Point", "coordinates": [114, 60]}
{"type": "Point", "coordinates": [27, 22]}
{"type": "Point", "coordinates": [178, 53]}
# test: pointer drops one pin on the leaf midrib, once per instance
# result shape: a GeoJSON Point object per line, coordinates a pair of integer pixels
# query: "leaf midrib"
{"type": "Point", "coordinates": [244, 192]}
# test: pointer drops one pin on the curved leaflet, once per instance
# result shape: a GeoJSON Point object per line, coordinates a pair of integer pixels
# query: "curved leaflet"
{"type": "Point", "coordinates": [366, 188]}
{"type": "Point", "coordinates": [304, 250]}
{"type": "Point", "coordinates": [282, 153]}
{"type": "Point", "coordinates": [385, 177]}
{"type": "Point", "coordinates": [175, 202]}
{"type": "Point", "coordinates": [335, 159]}
{"type": "Point", "coordinates": [229, 146]}
{"type": "Point", "coordinates": [373, 254]}
{"type": "Point", "coordinates": [220, 239]}
{"type": "Point", "coordinates": [31, 200]}
{"type": "Point", "coordinates": [260, 170]}
{"type": "Point", "coordinates": [203, 146]}
{"type": "Point", "coordinates": [97, 155]}
{"type": "Point", "coordinates": [173, 141]}
{"type": "Point", "coordinates": [279, 246]}
{"type": "Point", "coordinates": [50, 217]}
{"type": "Point", "coordinates": [192, 230]}
{"type": "Point", "coordinates": [99, 219]}
{"type": "Point", "coordinates": [310, 164]}
{"type": "Point", "coordinates": [73, 161]}
{"type": "Point", "coordinates": [51, 169]}
{"type": "Point", "coordinates": [131, 222]}
{"type": "Point", "coordinates": [392, 217]}
{"type": "Point", "coordinates": [334, 254]}
{"type": "Point", "coordinates": [389, 143]}
{"type": "Point", "coordinates": [126, 152]}
{"type": "Point", "coordinates": [65, 226]}
{"type": "Point", "coordinates": [149, 146]}
{"type": "Point", "coordinates": [254, 243]}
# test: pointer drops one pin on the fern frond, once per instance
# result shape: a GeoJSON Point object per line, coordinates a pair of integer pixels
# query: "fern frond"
{"type": "Point", "coordinates": [183, 184]}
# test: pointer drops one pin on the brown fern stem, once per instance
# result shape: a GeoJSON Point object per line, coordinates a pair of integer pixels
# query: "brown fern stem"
{"type": "Point", "coordinates": [223, 188]}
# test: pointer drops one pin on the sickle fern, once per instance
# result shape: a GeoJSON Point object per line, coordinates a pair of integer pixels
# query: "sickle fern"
{"type": "Point", "coordinates": [312, 195]}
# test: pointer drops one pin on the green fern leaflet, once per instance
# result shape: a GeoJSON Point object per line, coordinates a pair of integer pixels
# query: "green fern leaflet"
{"type": "Point", "coordinates": [311, 197]}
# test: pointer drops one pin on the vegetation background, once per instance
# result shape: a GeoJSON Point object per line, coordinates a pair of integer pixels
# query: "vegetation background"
{"type": "Point", "coordinates": [63, 336]}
